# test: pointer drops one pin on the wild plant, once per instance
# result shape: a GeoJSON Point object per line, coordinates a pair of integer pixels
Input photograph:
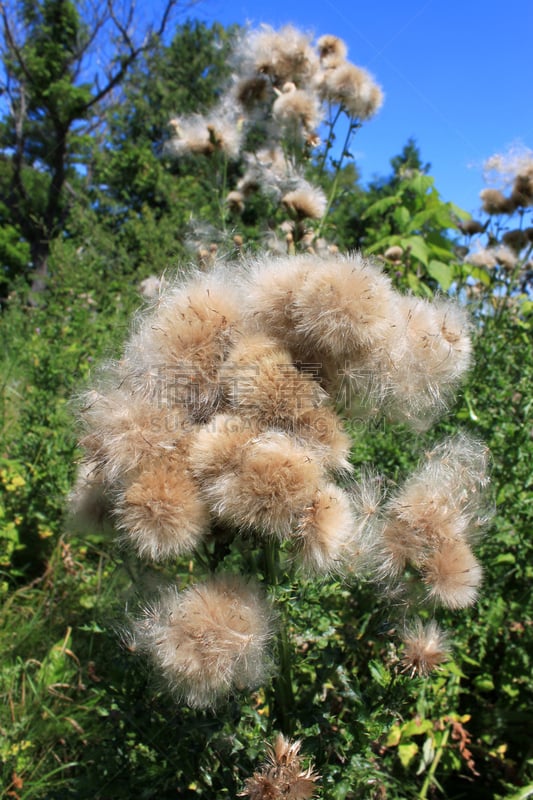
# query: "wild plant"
{"type": "Point", "coordinates": [499, 245]}
{"type": "Point", "coordinates": [287, 92]}
{"type": "Point", "coordinates": [222, 433]}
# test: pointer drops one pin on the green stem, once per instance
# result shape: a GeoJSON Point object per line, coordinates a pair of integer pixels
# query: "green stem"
{"type": "Point", "coordinates": [222, 192]}
{"type": "Point", "coordinates": [282, 698]}
{"type": "Point", "coordinates": [434, 764]}
{"type": "Point", "coordinates": [352, 127]}
{"type": "Point", "coordinates": [330, 139]}
{"type": "Point", "coordinates": [510, 284]}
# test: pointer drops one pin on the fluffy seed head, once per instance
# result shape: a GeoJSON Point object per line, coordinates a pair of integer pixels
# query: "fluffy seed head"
{"type": "Point", "coordinates": [284, 55]}
{"type": "Point", "coordinates": [265, 387]}
{"type": "Point", "coordinates": [190, 137]}
{"type": "Point", "coordinates": [516, 239]}
{"type": "Point", "coordinates": [267, 390]}
{"type": "Point", "coordinates": [320, 425]}
{"type": "Point", "coordinates": [306, 202]}
{"type": "Point", "coordinates": [425, 647]}
{"type": "Point", "coordinates": [297, 107]}
{"type": "Point", "coordinates": [394, 253]}
{"type": "Point", "coordinates": [209, 640]}
{"type": "Point", "coordinates": [506, 257]}
{"type": "Point", "coordinates": [332, 50]}
{"type": "Point", "coordinates": [482, 257]}
{"type": "Point", "coordinates": [178, 349]}
{"type": "Point", "coordinates": [216, 447]}
{"type": "Point", "coordinates": [522, 193]}
{"type": "Point", "coordinates": [198, 135]}
{"type": "Point", "coordinates": [124, 430]}
{"type": "Point", "coordinates": [495, 202]}
{"type": "Point", "coordinates": [272, 289]}
{"type": "Point", "coordinates": [267, 490]}
{"type": "Point", "coordinates": [428, 354]}
{"type": "Point", "coordinates": [452, 574]}
{"type": "Point", "coordinates": [436, 514]}
{"type": "Point", "coordinates": [344, 306]}
{"type": "Point", "coordinates": [353, 88]}
{"type": "Point", "coordinates": [326, 531]}
{"type": "Point", "coordinates": [161, 512]}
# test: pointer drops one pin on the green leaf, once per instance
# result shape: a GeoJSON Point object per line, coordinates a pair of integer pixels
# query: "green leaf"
{"type": "Point", "coordinates": [478, 273]}
{"type": "Point", "coordinates": [484, 683]}
{"type": "Point", "coordinates": [57, 665]}
{"type": "Point", "coordinates": [419, 184]}
{"type": "Point", "coordinates": [379, 673]}
{"type": "Point", "coordinates": [420, 219]}
{"type": "Point", "coordinates": [415, 727]}
{"type": "Point", "coordinates": [414, 283]}
{"type": "Point", "coordinates": [406, 753]}
{"type": "Point", "coordinates": [418, 248]}
{"type": "Point", "coordinates": [341, 790]}
{"type": "Point", "coordinates": [441, 272]}
{"type": "Point", "coordinates": [505, 558]}
{"type": "Point", "coordinates": [393, 736]}
{"type": "Point", "coordinates": [428, 754]}
{"type": "Point", "coordinates": [401, 216]}
{"type": "Point", "coordinates": [458, 212]}
{"type": "Point", "coordinates": [380, 206]}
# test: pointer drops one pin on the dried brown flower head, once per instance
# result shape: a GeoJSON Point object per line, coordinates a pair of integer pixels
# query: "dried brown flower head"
{"type": "Point", "coordinates": [471, 226]}
{"type": "Point", "coordinates": [495, 202]}
{"type": "Point", "coordinates": [252, 90]}
{"type": "Point", "coordinates": [332, 50]}
{"type": "Point", "coordinates": [235, 201]}
{"type": "Point", "coordinates": [282, 777]}
{"type": "Point", "coordinates": [425, 647]}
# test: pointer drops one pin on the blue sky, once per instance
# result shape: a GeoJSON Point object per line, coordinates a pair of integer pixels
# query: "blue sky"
{"type": "Point", "coordinates": [457, 76]}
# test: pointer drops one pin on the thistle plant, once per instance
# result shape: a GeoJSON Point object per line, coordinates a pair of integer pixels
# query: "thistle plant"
{"type": "Point", "coordinates": [221, 423]}
{"type": "Point", "coordinates": [286, 92]}
{"type": "Point", "coordinates": [222, 433]}
{"type": "Point", "coordinates": [500, 245]}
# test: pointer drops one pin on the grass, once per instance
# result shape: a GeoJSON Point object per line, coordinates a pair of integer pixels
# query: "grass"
{"type": "Point", "coordinates": [82, 717]}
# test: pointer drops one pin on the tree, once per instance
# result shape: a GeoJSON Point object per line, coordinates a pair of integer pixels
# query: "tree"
{"type": "Point", "coordinates": [51, 104]}
{"type": "Point", "coordinates": [402, 219]}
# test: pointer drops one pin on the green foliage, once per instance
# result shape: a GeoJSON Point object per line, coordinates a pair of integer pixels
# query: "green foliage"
{"type": "Point", "coordinates": [47, 357]}
{"type": "Point", "coordinates": [47, 128]}
{"type": "Point", "coordinates": [79, 715]}
{"type": "Point", "coordinates": [83, 718]}
{"type": "Point", "coordinates": [183, 77]}
{"type": "Point", "coordinates": [403, 211]}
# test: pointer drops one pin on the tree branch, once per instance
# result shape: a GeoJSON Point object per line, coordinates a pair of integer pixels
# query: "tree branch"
{"type": "Point", "coordinates": [134, 50]}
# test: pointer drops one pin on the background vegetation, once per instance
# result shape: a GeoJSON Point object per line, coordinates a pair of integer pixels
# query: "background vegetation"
{"type": "Point", "coordinates": [79, 716]}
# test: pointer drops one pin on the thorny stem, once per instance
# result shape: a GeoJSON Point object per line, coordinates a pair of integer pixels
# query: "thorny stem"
{"type": "Point", "coordinates": [330, 139]}
{"type": "Point", "coordinates": [512, 280]}
{"type": "Point", "coordinates": [222, 193]}
{"type": "Point", "coordinates": [282, 697]}
{"type": "Point", "coordinates": [352, 127]}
